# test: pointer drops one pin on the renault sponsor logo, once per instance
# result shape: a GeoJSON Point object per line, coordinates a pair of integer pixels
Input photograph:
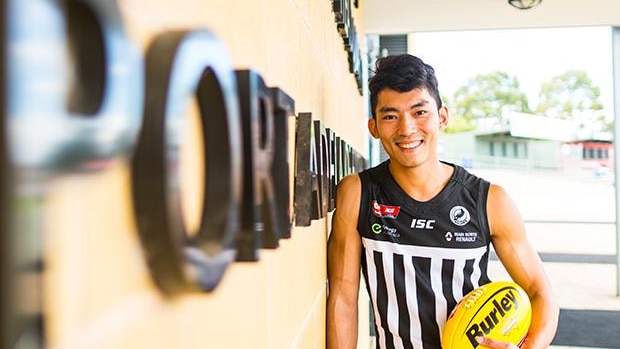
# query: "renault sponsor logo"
{"type": "Point", "coordinates": [462, 236]}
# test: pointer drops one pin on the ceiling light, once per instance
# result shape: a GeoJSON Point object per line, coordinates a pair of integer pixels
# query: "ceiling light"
{"type": "Point", "coordinates": [524, 4]}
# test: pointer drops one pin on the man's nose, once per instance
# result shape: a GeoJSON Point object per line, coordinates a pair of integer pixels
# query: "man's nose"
{"type": "Point", "coordinates": [408, 125]}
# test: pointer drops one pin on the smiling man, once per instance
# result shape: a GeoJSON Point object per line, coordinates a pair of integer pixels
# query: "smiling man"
{"type": "Point", "coordinates": [420, 229]}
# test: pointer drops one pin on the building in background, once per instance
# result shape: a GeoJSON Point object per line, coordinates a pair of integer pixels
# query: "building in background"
{"type": "Point", "coordinates": [529, 142]}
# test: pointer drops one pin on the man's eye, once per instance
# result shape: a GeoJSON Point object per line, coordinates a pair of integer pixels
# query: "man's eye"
{"type": "Point", "coordinates": [389, 117]}
{"type": "Point", "coordinates": [421, 112]}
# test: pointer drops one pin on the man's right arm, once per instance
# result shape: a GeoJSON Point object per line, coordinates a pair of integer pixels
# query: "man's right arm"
{"type": "Point", "coordinates": [343, 266]}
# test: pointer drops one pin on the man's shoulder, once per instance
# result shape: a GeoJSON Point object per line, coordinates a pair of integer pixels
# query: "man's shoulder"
{"type": "Point", "coordinates": [348, 181]}
{"type": "Point", "coordinates": [376, 172]}
{"type": "Point", "coordinates": [466, 177]}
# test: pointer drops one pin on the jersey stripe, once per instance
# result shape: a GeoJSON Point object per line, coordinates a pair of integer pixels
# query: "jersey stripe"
{"type": "Point", "coordinates": [423, 251]}
{"type": "Point", "coordinates": [381, 297]}
{"type": "Point", "coordinates": [447, 270]}
{"type": "Point", "coordinates": [392, 307]}
{"type": "Point", "coordinates": [412, 308]}
{"type": "Point", "coordinates": [457, 279]}
{"type": "Point", "coordinates": [404, 324]}
{"type": "Point", "coordinates": [468, 271]}
{"type": "Point", "coordinates": [426, 299]}
{"type": "Point", "coordinates": [441, 303]}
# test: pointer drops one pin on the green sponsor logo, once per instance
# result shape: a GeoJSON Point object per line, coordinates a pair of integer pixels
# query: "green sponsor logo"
{"type": "Point", "coordinates": [376, 228]}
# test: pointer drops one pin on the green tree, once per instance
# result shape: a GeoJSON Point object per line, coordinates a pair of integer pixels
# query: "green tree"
{"type": "Point", "coordinates": [572, 96]}
{"type": "Point", "coordinates": [457, 123]}
{"type": "Point", "coordinates": [489, 95]}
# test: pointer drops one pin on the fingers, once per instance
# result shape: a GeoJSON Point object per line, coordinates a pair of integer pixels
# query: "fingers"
{"type": "Point", "coordinates": [495, 344]}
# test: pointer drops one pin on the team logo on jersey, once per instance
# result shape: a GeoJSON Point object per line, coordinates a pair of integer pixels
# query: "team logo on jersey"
{"type": "Point", "coordinates": [384, 211]}
{"type": "Point", "coordinates": [459, 215]}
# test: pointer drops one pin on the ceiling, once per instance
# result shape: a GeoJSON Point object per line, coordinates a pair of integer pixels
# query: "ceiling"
{"type": "Point", "coordinates": [406, 16]}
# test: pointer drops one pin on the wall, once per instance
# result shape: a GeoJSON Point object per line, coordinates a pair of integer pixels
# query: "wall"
{"type": "Point", "coordinates": [96, 288]}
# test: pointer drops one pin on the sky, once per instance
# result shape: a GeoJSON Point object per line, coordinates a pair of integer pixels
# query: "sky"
{"type": "Point", "coordinates": [534, 56]}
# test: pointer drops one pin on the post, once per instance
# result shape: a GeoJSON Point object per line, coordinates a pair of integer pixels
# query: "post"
{"type": "Point", "coordinates": [616, 101]}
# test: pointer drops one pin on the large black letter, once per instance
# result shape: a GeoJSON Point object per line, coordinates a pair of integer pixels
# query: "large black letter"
{"type": "Point", "coordinates": [284, 106]}
{"type": "Point", "coordinates": [306, 182]}
{"type": "Point", "coordinates": [73, 92]}
{"type": "Point", "coordinates": [322, 161]}
{"type": "Point", "coordinates": [259, 211]}
{"type": "Point", "coordinates": [58, 123]}
{"type": "Point", "coordinates": [181, 65]}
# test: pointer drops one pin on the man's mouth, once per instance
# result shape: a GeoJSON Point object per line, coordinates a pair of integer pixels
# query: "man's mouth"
{"type": "Point", "coordinates": [409, 145]}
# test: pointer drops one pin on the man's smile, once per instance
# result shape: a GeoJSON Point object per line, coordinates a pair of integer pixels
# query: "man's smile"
{"type": "Point", "coordinates": [409, 144]}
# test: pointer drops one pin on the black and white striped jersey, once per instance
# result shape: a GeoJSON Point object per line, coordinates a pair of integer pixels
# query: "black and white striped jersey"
{"type": "Point", "coordinates": [420, 258]}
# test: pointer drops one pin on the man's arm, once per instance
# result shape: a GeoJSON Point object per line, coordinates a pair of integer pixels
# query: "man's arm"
{"type": "Point", "coordinates": [343, 266]}
{"type": "Point", "coordinates": [524, 266]}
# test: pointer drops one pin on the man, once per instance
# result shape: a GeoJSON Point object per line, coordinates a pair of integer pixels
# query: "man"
{"type": "Point", "coordinates": [420, 229]}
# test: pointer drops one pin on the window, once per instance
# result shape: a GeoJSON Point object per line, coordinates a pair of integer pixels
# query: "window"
{"type": "Point", "coordinates": [515, 149]}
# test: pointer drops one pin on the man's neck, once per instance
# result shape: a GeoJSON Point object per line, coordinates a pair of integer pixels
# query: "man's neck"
{"type": "Point", "coordinates": [422, 182]}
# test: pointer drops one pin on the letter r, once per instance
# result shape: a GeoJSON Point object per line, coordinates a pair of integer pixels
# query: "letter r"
{"type": "Point", "coordinates": [472, 333]}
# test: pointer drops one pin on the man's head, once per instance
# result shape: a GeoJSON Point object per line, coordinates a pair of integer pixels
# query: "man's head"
{"type": "Point", "coordinates": [407, 112]}
{"type": "Point", "coordinates": [402, 73]}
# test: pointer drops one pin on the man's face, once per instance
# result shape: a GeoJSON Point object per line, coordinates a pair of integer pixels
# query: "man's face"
{"type": "Point", "coordinates": [408, 124]}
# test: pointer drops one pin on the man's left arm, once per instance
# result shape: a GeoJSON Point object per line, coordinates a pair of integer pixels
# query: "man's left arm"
{"type": "Point", "coordinates": [524, 266]}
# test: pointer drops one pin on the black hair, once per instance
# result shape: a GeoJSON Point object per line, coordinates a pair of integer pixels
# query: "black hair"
{"type": "Point", "coordinates": [402, 73]}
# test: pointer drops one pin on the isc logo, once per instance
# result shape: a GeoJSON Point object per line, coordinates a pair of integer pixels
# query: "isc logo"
{"type": "Point", "coordinates": [422, 223]}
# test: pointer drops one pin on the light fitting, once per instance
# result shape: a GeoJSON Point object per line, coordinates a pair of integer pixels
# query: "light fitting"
{"type": "Point", "coordinates": [524, 4]}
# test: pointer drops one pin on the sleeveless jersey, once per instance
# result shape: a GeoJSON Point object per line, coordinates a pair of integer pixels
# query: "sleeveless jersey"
{"type": "Point", "coordinates": [420, 258]}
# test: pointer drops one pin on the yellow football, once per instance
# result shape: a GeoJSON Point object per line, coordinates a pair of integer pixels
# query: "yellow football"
{"type": "Point", "coordinates": [500, 310]}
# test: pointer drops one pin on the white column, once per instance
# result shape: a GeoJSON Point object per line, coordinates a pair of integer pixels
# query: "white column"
{"type": "Point", "coordinates": [616, 101]}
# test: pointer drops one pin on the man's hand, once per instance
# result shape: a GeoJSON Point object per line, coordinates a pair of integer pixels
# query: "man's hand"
{"type": "Point", "coordinates": [494, 344]}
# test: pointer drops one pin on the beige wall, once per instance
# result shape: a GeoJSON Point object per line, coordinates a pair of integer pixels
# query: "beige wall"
{"type": "Point", "coordinates": [98, 293]}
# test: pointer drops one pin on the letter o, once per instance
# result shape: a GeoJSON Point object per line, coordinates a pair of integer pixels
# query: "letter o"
{"type": "Point", "coordinates": [182, 65]}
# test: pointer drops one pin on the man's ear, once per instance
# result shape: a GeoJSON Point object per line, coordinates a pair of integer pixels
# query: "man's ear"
{"type": "Point", "coordinates": [372, 127]}
{"type": "Point", "coordinates": [444, 117]}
